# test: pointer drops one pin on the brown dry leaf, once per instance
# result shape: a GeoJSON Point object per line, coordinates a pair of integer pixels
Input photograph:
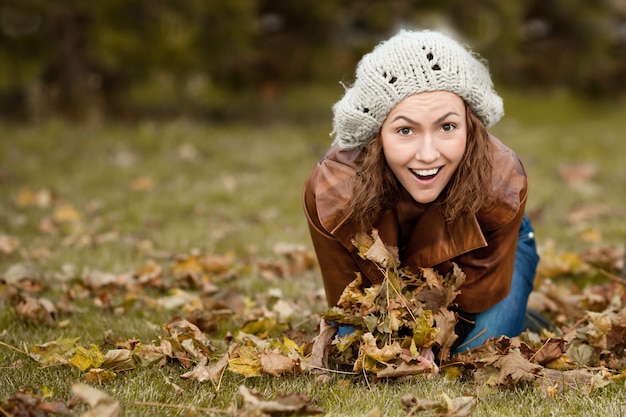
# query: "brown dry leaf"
{"type": "Point", "coordinates": [40, 198]}
{"type": "Point", "coordinates": [276, 364]}
{"type": "Point", "coordinates": [29, 404]}
{"type": "Point", "coordinates": [147, 355]}
{"type": "Point", "coordinates": [203, 372]}
{"type": "Point", "coordinates": [8, 244]}
{"type": "Point", "coordinates": [299, 258]}
{"type": "Point", "coordinates": [374, 249]}
{"type": "Point", "coordinates": [452, 407]}
{"type": "Point", "coordinates": [578, 174]}
{"type": "Point", "coordinates": [292, 405]}
{"type": "Point", "coordinates": [318, 360]}
{"type": "Point", "coordinates": [186, 336]}
{"type": "Point", "coordinates": [37, 310]}
{"type": "Point", "coordinates": [118, 360]}
{"type": "Point", "coordinates": [150, 274]}
{"type": "Point", "coordinates": [416, 367]}
{"type": "Point", "coordinates": [144, 183]}
{"type": "Point", "coordinates": [372, 358]}
{"type": "Point", "coordinates": [445, 320]}
{"type": "Point", "coordinates": [102, 405]}
{"type": "Point", "coordinates": [515, 368]}
{"type": "Point", "coordinates": [551, 350]}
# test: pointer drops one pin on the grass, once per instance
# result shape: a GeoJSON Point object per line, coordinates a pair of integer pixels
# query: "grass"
{"type": "Point", "coordinates": [150, 190]}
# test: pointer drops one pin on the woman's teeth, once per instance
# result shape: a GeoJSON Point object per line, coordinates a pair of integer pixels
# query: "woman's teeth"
{"type": "Point", "coordinates": [425, 172]}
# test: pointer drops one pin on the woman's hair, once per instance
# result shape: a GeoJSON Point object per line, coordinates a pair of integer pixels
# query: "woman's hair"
{"type": "Point", "coordinates": [376, 188]}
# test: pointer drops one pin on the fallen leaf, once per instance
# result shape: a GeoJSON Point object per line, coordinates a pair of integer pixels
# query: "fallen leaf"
{"type": "Point", "coordinates": [292, 405]}
{"type": "Point", "coordinates": [515, 368]}
{"type": "Point", "coordinates": [86, 358]}
{"type": "Point", "coordinates": [8, 244]}
{"type": "Point", "coordinates": [102, 405]}
{"type": "Point", "coordinates": [276, 364]}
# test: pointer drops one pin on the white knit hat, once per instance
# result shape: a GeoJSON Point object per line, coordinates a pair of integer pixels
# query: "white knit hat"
{"type": "Point", "coordinates": [406, 64]}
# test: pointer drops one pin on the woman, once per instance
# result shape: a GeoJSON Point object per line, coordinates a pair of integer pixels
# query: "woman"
{"type": "Point", "coordinates": [413, 159]}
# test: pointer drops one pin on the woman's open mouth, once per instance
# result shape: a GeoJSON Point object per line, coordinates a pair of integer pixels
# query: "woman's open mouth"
{"type": "Point", "coordinates": [425, 174]}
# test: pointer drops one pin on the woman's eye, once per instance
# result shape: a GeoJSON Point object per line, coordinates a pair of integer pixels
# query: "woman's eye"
{"type": "Point", "coordinates": [404, 131]}
{"type": "Point", "coordinates": [447, 127]}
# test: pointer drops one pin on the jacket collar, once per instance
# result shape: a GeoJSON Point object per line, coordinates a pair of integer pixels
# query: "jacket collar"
{"type": "Point", "coordinates": [433, 240]}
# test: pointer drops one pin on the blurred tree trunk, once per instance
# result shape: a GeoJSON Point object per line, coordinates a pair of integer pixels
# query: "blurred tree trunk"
{"type": "Point", "coordinates": [68, 78]}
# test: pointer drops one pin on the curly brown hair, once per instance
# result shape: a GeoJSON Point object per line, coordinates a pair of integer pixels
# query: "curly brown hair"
{"type": "Point", "coordinates": [375, 187]}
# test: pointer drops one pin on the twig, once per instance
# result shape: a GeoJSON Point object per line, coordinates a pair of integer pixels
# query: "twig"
{"type": "Point", "coordinates": [473, 338]}
{"type": "Point", "coordinates": [332, 370]}
{"type": "Point", "coordinates": [614, 277]}
{"type": "Point", "coordinates": [13, 348]}
{"type": "Point", "coordinates": [539, 350]}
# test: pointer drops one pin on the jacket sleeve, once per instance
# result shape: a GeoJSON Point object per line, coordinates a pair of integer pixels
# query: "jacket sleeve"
{"type": "Point", "coordinates": [338, 263]}
{"type": "Point", "coordinates": [489, 270]}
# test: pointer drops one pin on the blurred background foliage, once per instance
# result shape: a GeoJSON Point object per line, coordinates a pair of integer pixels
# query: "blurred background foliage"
{"type": "Point", "coordinates": [218, 60]}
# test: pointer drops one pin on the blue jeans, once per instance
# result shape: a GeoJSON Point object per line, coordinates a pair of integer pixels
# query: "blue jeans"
{"type": "Point", "coordinates": [507, 317]}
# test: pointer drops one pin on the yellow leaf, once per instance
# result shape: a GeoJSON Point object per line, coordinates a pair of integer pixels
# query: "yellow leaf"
{"type": "Point", "coordinates": [66, 213]}
{"type": "Point", "coordinates": [424, 334]}
{"type": "Point", "coordinates": [85, 358]}
{"type": "Point", "coordinates": [54, 353]}
{"type": "Point", "coordinates": [246, 363]}
{"type": "Point", "coordinates": [291, 345]}
{"type": "Point", "coordinates": [46, 392]}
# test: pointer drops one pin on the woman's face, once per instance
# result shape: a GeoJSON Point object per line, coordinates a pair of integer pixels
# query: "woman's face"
{"type": "Point", "coordinates": [424, 139]}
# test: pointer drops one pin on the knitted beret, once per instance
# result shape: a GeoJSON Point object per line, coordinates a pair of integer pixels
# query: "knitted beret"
{"type": "Point", "coordinates": [408, 63]}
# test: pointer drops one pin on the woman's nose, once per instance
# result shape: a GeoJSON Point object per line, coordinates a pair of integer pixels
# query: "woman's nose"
{"type": "Point", "coordinates": [427, 151]}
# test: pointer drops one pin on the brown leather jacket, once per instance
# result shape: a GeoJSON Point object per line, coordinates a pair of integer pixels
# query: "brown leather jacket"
{"type": "Point", "coordinates": [483, 246]}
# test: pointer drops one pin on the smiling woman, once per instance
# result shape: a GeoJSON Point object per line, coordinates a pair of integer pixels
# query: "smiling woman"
{"type": "Point", "coordinates": [412, 158]}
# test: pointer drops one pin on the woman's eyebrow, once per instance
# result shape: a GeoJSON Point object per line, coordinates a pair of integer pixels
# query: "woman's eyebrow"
{"type": "Point", "coordinates": [445, 116]}
{"type": "Point", "coordinates": [439, 120]}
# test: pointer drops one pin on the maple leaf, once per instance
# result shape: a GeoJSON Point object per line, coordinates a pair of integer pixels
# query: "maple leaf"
{"type": "Point", "coordinates": [550, 351]}
{"type": "Point", "coordinates": [375, 250]}
{"type": "Point", "coordinates": [203, 372]}
{"type": "Point", "coordinates": [56, 352]}
{"type": "Point", "coordinates": [85, 358]}
{"type": "Point", "coordinates": [424, 334]}
{"type": "Point", "coordinates": [245, 361]}
{"type": "Point", "coordinates": [515, 368]}
{"type": "Point", "coordinates": [372, 358]}
{"type": "Point", "coordinates": [186, 336]}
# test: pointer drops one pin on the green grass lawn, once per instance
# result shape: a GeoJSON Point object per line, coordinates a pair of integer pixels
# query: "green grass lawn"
{"type": "Point", "coordinates": [76, 200]}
